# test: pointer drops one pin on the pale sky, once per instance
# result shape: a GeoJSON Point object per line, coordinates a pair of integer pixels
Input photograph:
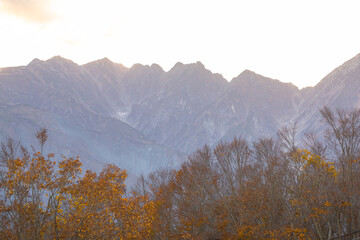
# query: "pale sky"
{"type": "Point", "coordinates": [292, 41]}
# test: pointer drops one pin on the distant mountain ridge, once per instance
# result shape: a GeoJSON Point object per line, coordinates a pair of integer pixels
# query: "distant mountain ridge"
{"type": "Point", "coordinates": [143, 117]}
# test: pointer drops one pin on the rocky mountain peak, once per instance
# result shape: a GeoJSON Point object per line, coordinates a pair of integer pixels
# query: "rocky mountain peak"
{"type": "Point", "coordinates": [250, 78]}
{"type": "Point", "coordinates": [105, 64]}
{"type": "Point", "coordinates": [58, 63]}
{"type": "Point", "coordinates": [140, 68]}
{"type": "Point", "coordinates": [177, 66]}
{"type": "Point", "coordinates": [183, 108]}
{"type": "Point", "coordinates": [247, 76]}
{"type": "Point", "coordinates": [156, 68]}
{"type": "Point", "coordinates": [181, 67]}
{"type": "Point", "coordinates": [340, 72]}
{"type": "Point", "coordinates": [60, 60]}
{"type": "Point", "coordinates": [137, 66]}
{"type": "Point", "coordinates": [54, 64]}
{"type": "Point", "coordinates": [35, 61]}
{"type": "Point", "coordinates": [350, 65]}
{"type": "Point", "coordinates": [199, 64]}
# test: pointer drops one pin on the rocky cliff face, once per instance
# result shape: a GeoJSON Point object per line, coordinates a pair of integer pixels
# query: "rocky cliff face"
{"type": "Point", "coordinates": [143, 118]}
{"type": "Point", "coordinates": [339, 89]}
{"type": "Point", "coordinates": [168, 114]}
{"type": "Point", "coordinates": [76, 108]}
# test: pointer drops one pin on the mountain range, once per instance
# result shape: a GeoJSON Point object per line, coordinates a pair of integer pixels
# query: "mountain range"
{"type": "Point", "coordinates": [143, 118]}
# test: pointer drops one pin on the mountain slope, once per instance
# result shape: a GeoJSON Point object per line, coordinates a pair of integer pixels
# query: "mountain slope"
{"type": "Point", "coordinates": [185, 92]}
{"type": "Point", "coordinates": [339, 89]}
{"type": "Point", "coordinates": [64, 97]}
{"type": "Point", "coordinates": [252, 106]}
{"type": "Point", "coordinates": [142, 117]}
{"type": "Point", "coordinates": [123, 87]}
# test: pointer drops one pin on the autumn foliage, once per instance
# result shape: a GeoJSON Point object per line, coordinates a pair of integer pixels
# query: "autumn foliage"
{"type": "Point", "coordinates": [46, 199]}
{"type": "Point", "coordinates": [270, 189]}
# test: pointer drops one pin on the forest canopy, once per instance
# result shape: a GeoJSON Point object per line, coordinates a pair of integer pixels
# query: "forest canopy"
{"type": "Point", "coordinates": [268, 189]}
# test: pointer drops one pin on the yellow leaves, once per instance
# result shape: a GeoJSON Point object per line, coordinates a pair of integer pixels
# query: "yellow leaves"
{"type": "Point", "coordinates": [316, 162]}
{"type": "Point", "coordinates": [332, 171]}
{"type": "Point", "coordinates": [10, 192]}
{"type": "Point", "coordinates": [294, 233]}
{"type": "Point", "coordinates": [247, 232]}
{"type": "Point", "coordinates": [95, 206]}
{"type": "Point", "coordinates": [345, 204]}
{"type": "Point", "coordinates": [317, 212]}
{"type": "Point", "coordinates": [271, 203]}
{"type": "Point", "coordinates": [34, 193]}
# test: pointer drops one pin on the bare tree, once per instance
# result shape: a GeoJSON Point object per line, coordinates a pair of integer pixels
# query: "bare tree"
{"type": "Point", "coordinates": [42, 136]}
{"type": "Point", "coordinates": [9, 150]}
{"type": "Point", "coordinates": [286, 136]}
{"type": "Point", "coordinates": [342, 135]}
{"type": "Point", "coordinates": [342, 132]}
{"type": "Point", "coordinates": [314, 144]}
{"type": "Point", "coordinates": [266, 150]}
{"type": "Point", "coordinates": [232, 159]}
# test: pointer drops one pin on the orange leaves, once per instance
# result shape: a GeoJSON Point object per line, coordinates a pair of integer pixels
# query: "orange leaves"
{"type": "Point", "coordinates": [327, 204]}
{"type": "Point", "coordinates": [310, 160]}
{"type": "Point", "coordinates": [44, 203]}
{"type": "Point", "coordinates": [69, 167]}
{"type": "Point", "coordinates": [137, 214]}
{"type": "Point", "coordinates": [294, 233]}
{"type": "Point", "coordinates": [247, 232]}
{"type": "Point", "coordinates": [46, 199]}
{"type": "Point", "coordinates": [345, 204]}
{"type": "Point", "coordinates": [222, 193]}
{"type": "Point", "coordinates": [255, 232]}
{"type": "Point", "coordinates": [96, 208]}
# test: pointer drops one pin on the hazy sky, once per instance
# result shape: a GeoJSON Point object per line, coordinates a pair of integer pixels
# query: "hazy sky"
{"type": "Point", "coordinates": [293, 41]}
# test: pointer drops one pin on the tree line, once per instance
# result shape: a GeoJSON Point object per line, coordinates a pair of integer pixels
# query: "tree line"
{"type": "Point", "coordinates": [44, 198]}
{"type": "Point", "coordinates": [268, 189]}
